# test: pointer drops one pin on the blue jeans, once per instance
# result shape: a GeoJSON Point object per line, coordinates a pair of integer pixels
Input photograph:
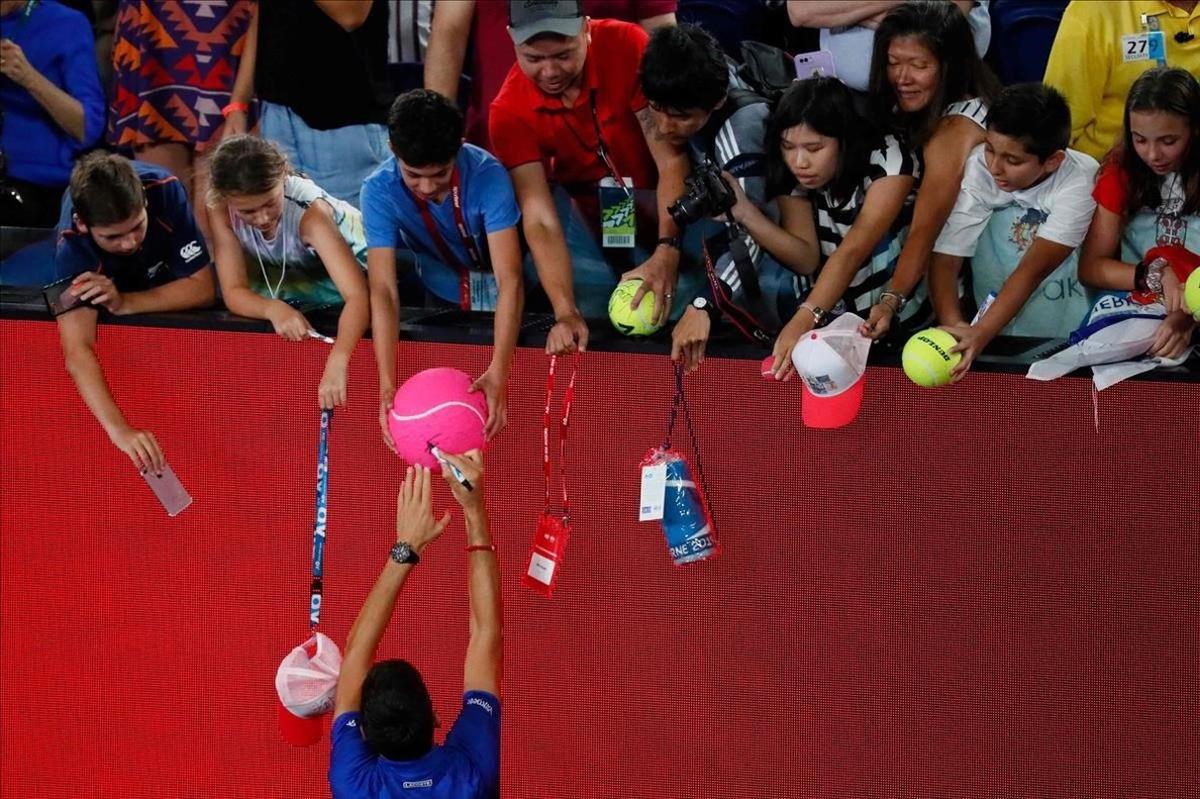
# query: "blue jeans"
{"type": "Point", "coordinates": [337, 160]}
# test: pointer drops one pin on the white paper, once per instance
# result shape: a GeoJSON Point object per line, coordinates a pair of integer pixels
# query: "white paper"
{"type": "Point", "coordinates": [541, 568]}
{"type": "Point", "coordinates": [654, 491]}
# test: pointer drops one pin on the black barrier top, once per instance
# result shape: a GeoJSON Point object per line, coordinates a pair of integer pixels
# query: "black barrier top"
{"type": "Point", "coordinates": [453, 326]}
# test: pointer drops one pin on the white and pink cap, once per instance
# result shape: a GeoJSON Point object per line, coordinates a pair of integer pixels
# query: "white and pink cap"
{"type": "Point", "coordinates": [832, 363]}
{"type": "Point", "coordinates": [306, 682]}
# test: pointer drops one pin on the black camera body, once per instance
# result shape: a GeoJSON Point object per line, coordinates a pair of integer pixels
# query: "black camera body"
{"type": "Point", "coordinates": [707, 195]}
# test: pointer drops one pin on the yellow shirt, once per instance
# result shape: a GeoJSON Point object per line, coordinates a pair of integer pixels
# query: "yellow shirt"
{"type": "Point", "coordinates": [1087, 63]}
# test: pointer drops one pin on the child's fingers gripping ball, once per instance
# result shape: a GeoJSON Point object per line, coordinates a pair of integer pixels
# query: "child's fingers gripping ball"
{"type": "Point", "coordinates": [630, 321]}
{"type": "Point", "coordinates": [927, 358]}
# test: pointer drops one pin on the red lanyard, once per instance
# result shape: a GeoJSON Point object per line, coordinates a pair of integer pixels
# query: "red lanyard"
{"type": "Point", "coordinates": [464, 278]}
{"type": "Point", "coordinates": [568, 398]}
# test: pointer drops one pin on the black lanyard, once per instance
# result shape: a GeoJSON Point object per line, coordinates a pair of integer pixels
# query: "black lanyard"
{"type": "Point", "coordinates": [601, 149]}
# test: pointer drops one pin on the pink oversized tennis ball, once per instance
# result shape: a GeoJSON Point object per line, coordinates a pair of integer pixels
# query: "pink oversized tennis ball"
{"type": "Point", "coordinates": [437, 406]}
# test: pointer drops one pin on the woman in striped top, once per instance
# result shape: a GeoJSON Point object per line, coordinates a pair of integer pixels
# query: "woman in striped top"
{"type": "Point", "coordinates": [843, 194]}
{"type": "Point", "coordinates": [932, 91]}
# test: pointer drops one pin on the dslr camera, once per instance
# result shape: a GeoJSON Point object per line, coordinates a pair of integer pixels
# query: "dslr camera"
{"type": "Point", "coordinates": [707, 195]}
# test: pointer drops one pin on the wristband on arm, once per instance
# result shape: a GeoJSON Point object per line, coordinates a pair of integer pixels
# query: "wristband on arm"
{"type": "Point", "coordinates": [232, 107]}
{"type": "Point", "coordinates": [1139, 276]}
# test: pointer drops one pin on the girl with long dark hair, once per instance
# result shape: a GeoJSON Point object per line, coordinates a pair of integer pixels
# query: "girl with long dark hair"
{"type": "Point", "coordinates": [1148, 204]}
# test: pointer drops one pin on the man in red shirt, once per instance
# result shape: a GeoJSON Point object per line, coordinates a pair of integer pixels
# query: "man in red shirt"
{"type": "Point", "coordinates": [571, 113]}
{"type": "Point", "coordinates": [490, 56]}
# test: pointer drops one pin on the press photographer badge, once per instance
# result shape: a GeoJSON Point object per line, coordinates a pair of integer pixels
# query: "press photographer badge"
{"type": "Point", "coordinates": [618, 225]}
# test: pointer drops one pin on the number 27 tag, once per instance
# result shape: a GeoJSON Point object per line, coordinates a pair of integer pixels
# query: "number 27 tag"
{"type": "Point", "coordinates": [1149, 46]}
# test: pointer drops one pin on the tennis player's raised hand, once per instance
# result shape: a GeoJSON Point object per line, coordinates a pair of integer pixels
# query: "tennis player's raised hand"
{"type": "Point", "coordinates": [415, 524]}
{"type": "Point", "coordinates": [471, 466]}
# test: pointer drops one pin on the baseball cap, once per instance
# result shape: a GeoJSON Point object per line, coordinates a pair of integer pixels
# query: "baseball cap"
{"type": "Point", "coordinates": [528, 18]}
{"type": "Point", "coordinates": [832, 363]}
{"type": "Point", "coordinates": [306, 683]}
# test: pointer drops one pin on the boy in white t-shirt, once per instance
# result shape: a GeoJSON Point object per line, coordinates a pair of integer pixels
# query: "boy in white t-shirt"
{"type": "Point", "coordinates": [1025, 171]}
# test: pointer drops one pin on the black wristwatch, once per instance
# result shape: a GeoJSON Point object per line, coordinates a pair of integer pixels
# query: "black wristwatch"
{"type": "Point", "coordinates": [671, 241]}
{"type": "Point", "coordinates": [706, 305]}
{"type": "Point", "coordinates": [403, 553]}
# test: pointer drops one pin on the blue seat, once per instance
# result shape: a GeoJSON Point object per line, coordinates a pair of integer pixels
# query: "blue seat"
{"type": "Point", "coordinates": [1022, 34]}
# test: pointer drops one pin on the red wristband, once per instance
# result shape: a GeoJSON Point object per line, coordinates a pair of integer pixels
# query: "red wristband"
{"type": "Point", "coordinates": [229, 109]}
{"type": "Point", "coordinates": [480, 548]}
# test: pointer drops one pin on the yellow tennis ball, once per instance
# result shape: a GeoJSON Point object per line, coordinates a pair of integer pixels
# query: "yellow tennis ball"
{"type": "Point", "coordinates": [927, 358]}
{"type": "Point", "coordinates": [627, 320]}
{"type": "Point", "coordinates": [1191, 293]}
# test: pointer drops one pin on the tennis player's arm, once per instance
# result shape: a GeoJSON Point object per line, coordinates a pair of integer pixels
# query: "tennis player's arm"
{"type": "Point", "coordinates": [365, 635]}
{"type": "Point", "coordinates": [485, 652]}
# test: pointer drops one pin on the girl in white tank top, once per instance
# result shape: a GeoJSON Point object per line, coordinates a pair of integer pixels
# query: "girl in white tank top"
{"type": "Point", "coordinates": [281, 244]}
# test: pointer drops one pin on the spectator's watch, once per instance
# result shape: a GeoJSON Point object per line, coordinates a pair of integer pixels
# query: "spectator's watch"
{"type": "Point", "coordinates": [403, 553]}
{"type": "Point", "coordinates": [670, 241]}
{"type": "Point", "coordinates": [898, 301]}
{"type": "Point", "coordinates": [818, 313]}
{"type": "Point", "coordinates": [1139, 276]}
{"type": "Point", "coordinates": [1154, 275]}
{"type": "Point", "coordinates": [706, 305]}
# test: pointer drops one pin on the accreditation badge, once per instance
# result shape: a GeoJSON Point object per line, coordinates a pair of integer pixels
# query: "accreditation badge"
{"type": "Point", "coordinates": [618, 223]}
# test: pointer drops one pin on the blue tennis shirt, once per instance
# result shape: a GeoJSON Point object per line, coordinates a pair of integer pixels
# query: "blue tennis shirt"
{"type": "Point", "coordinates": [467, 765]}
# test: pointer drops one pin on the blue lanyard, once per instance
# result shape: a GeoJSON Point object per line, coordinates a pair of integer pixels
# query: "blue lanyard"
{"type": "Point", "coordinates": [318, 551]}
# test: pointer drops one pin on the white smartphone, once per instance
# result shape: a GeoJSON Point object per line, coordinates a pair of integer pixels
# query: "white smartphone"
{"type": "Point", "coordinates": [170, 492]}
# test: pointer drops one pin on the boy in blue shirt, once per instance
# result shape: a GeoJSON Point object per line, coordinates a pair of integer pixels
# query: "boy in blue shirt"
{"type": "Point", "coordinates": [452, 205]}
{"type": "Point", "coordinates": [128, 243]}
{"type": "Point", "coordinates": [383, 717]}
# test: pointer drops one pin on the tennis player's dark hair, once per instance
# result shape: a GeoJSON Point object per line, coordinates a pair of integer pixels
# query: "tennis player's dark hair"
{"type": "Point", "coordinates": [397, 713]}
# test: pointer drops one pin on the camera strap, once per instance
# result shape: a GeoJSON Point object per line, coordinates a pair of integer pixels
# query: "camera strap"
{"type": "Point", "coordinates": [452, 261]}
{"type": "Point", "coordinates": [745, 319]}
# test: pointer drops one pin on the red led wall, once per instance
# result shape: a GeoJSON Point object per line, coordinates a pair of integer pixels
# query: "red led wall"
{"type": "Point", "coordinates": [966, 593]}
